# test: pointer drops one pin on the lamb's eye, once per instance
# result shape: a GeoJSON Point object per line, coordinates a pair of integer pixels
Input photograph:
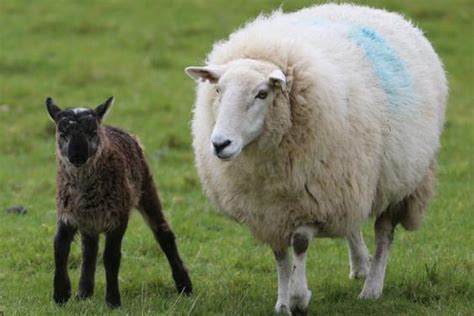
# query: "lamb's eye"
{"type": "Point", "coordinates": [262, 94]}
{"type": "Point", "coordinates": [62, 131]}
{"type": "Point", "coordinates": [218, 90]}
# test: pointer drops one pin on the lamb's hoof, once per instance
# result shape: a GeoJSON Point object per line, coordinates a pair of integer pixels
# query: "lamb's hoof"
{"type": "Point", "coordinates": [186, 289]}
{"type": "Point", "coordinates": [371, 293]}
{"type": "Point", "coordinates": [299, 303]}
{"type": "Point", "coordinates": [62, 292]}
{"type": "Point", "coordinates": [61, 299]}
{"type": "Point", "coordinates": [183, 284]}
{"type": "Point", "coordinates": [83, 295]}
{"type": "Point", "coordinates": [282, 309]}
{"type": "Point", "coordinates": [113, 302]}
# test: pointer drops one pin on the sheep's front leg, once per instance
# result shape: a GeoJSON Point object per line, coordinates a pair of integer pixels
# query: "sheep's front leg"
{"type": "Point", "coordinates": [283, 268]}
{"type": "Point", "coordinates": [300, 295]}
{"type": "Point", "coordinates": [62, 244]}
{"type": "Point", "coordinates": [358, 255]}
{"type": "Point", "coordinates": [112, 256]}
{"type": "Point", "coordinates": [90, 245]}
{"type": "Point", "coordinates": [384, 230]}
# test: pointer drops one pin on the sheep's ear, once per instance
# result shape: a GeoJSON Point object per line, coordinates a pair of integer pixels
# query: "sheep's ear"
{"type": "Point", "coordinates": [53, 109]}
{"type": "Point", "coordinates": [211, 73]}
{"type": "Point", "coordinates": [277, 78]}
{"type": "Point", "coordinates": [104, 108]}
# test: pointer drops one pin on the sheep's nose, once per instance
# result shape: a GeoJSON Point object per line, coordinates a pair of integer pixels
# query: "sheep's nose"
{"type": "Point", "coordinates": [220, 145]}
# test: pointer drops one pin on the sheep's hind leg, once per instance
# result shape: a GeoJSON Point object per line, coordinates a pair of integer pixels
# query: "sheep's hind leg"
{"type": "Point", "coordinates": [112, 257]}
{"type": "Point", "coordinates": [359, 258]}
{"type": "Point", "coordinates": [90, 246]}
{"type": "Point", "coordinates": [384, 231]}
{"type": "Point", "coordinates": [62, 245]}
{"type": "Point", "coordinates": [300, 295]}
{"type": "Point", "coordinates": [283, 268]}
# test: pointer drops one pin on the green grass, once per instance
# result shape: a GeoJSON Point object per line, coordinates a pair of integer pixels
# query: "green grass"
{"type": "Point", "coordinates": [82, 52]}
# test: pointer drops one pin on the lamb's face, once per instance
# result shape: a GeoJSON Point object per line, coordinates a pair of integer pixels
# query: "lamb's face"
{"type": "Point", "coordinates": [77, 132]}
{"type": "Point", "coordinates": [244, 93]}
{"type": "Point", "coordinates": [77, 135]}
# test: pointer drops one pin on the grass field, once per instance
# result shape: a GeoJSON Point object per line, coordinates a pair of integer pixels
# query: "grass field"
{"type": "Point", "coordinates": [82, 52]}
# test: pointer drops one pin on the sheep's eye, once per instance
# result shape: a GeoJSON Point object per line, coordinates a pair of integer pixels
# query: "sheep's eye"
{"type": "Point", "coordinates": [218, 90]}
{"type": "Point", "coordinates": [262, 94]}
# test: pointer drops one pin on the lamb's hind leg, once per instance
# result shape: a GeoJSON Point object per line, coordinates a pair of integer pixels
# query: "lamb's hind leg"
{"type": "Point", "coordinates": [90, 245]}
{"type": "Point", "coordinates": [300, 295]}
{"type": "Point", "coordinates": [384, 231]}
{"type": "Point", "coordinates": [359, 258]}
{"type": "Point", "coordinates": [150, 207]}
{"type": "Point", "coordinates": [284, 273]}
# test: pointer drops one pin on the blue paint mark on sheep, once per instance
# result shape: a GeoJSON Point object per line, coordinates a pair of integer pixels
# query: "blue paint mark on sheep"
{"type": "Point", "coordinates": [386, 63]}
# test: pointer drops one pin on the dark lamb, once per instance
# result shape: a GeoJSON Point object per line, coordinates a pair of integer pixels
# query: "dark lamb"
{"type": "Point", "coordinates": [102, 174]}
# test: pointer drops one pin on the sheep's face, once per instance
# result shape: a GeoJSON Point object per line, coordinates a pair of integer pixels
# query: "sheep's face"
{"type": "Point", "coordinates": [245, 91]}
{"type": "Point", "coordinates": [77, 131]}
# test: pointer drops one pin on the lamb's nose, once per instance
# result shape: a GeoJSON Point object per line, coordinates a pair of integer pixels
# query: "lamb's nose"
{"type": "Point", "coordinates": [220, 146]}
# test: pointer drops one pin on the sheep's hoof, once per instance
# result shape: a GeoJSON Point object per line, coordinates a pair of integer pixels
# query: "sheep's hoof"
{"type": "Point", "coordinates": [299, 303]}
{"type": "Point", "coordinates": [282, 309]}
{"type": "Point", "coordinates": [297, 312]}
{"type": "Point", "coordinates": [359, 272]}
{"type": "Point", "coordinates": [371, 293]}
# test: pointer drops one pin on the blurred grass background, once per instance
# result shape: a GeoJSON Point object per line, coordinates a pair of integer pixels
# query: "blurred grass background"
{"type": "Point", "coordinates": [82, 52]}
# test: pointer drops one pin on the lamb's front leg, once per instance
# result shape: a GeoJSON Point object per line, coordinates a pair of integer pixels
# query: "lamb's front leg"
{"type": "Point", "coordinates": [90, 246]}
{"type": "Point", "coordinates": [283, 268]}
{"type": "Point", "coordinates": [112, 256]}
{"type": "Point", "coordinates": [62, 244]}
{"type": "Point", "coordinates": [300, 295]}
{"type": "Point", "coordinates": [358, 255]}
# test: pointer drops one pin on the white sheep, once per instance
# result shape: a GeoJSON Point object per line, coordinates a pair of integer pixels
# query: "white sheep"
{"type": "Point", "coordinates": [307, 123]}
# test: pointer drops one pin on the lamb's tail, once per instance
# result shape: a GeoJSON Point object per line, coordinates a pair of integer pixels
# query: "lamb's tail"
{"type": "Point", "coordinates": [416, 203]}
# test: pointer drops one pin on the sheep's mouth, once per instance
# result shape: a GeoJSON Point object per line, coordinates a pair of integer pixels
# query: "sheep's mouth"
{"type": "Point", "coordinates": [225, 156]}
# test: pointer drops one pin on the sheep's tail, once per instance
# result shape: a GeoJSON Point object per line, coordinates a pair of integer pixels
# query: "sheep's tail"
{"type": "Point", "coordinates": [416, 203]}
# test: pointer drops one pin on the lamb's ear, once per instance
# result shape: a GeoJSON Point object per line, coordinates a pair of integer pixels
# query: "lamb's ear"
{"type": "Point", "coordinates": [104, 108]}
{"type": "Point", "coordinates": [211, 73]}
{"type": "Point", "coordinates": [53, 109]}
{"type": "Point", "coordinates": [277, 78]}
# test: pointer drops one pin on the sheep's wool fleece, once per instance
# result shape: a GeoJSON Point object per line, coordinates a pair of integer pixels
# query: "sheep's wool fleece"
{"type": "Point", "coordinates": [360, 130]}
